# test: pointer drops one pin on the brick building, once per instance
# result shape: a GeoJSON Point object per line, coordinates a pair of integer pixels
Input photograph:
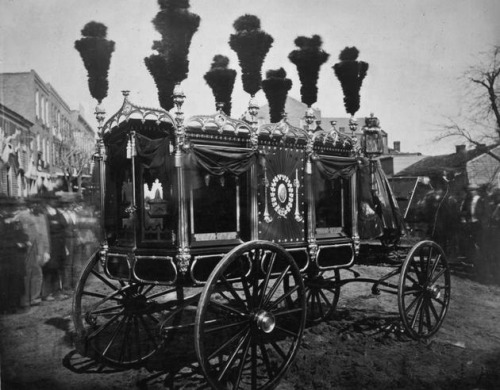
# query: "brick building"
{"type": "Point", "coordinates": [55, 129]}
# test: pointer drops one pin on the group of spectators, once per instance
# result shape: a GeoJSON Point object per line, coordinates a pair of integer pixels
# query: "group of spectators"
{"type": "Point", "coordinates": [468, 229]}
{"type": "Point", "coordinates": [44, 245]}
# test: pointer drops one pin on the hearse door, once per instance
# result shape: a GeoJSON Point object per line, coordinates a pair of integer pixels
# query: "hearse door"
{"type": "Point", "coordinates": [281, 195]}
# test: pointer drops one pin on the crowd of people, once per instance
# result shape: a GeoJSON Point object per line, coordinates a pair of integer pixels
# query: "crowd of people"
{"type": "Point", "coordinates": [468, 228]}
{"type": "Point", "coordinates": [44, 245]}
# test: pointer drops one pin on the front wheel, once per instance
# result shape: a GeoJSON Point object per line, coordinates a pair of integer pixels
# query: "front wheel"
{"type": "Point", "coordinates": [248, 324]}
{"type": "Point", "coordinates": [424, 290]}
{"type": "Point", "coordinates": [116, 322]}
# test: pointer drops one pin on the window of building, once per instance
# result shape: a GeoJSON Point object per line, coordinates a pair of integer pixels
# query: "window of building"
{"type": "Point", "coordinates": [37, 104]}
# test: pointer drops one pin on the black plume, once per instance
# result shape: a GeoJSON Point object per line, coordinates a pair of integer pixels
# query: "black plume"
{"type": "Point", "coordinates": [308, 59]}
{"type": "Point", "coordinates": [350, 73]}
{"type": "Point", "coordinates": [276, 87]}
{"type": "Point", "coordinates": [251, 44]}
{"type": "Point", "coordinates": [221, 79]}
{"type": "Point", "coordinates": [95, 51]}
{"type": "Point", "coordinates": [170, 66]}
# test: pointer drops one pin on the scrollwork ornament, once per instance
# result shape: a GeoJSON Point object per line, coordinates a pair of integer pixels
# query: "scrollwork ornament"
{"type": "Point", "coordinates": [313, 250]}
{"type": "Point", "coordinates": [183, 259]}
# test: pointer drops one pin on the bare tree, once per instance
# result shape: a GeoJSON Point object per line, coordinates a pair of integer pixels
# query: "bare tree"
{"type": "Point", "coordinates": [73, 160]}
{"type": "Point", "coordinates": [481, 125]}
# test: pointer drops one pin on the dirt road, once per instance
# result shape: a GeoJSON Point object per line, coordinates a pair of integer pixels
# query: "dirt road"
{"type": "Point", "coordinates": [361, 348]}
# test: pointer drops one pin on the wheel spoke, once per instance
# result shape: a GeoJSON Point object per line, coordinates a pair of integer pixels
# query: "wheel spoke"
{"type": "Point", "coordinates": [428, 316]}
{"type": "Point", "coordinates": [233, 291]}
{"type": "Point", "coordinates": [266, 280]}
{"type": "Point", "coordinates": [230, 361]}
{"type": "Point", "coordinates": [153, 318]}
{"type": "Point", "coordinates": [125, 342]}
{"type": "Point", "coordinates": [429, 260]}
{"type": "Point", "coordinates": [320, 306]}
{"type": "Point", "coordinates": [246, 289]}
{"type": "Point", "coordinates": [148, 331]}
{"type": "Point", "coordinates": [408, 276]}
{"type": "Point", "coordinates": [283, 297]}
{"type": "Point", "coordinates": [434, 266]}
{"type": "Point", "coordinates": [278, 349]}
{"type": "Point", "coordinates": [115, 333]}
{"type": "Point", "coordinates": [417, 311]}
{"type": "Point", "coordinates": [158, 294]}
{"type": "Point", "coordinates": [228, 308]}
{"type": "Point", "coordinates": [276, 285]}
{"type": "Point", "coordinates": [325, 298]}
{"type": "Point", "coordinates": [104, 280]}
{"type": "Point", "coordinates": [137, 337]}
{"type": "Point", "coordinates": [242, 364]}
{"type": "Point", "coordinates": [236, 336]}
{"type": "Point", "coordinates": [108, 310]}
{"type": "Point", "coordinates": [265, 357]}
{"type": "Point", "coordinates": [433, 310]}
{"type": "Point", "coordinates": [442, 303]}
{"type": "Point", "coordinates": [97, 295]}
{"type": "Point", "coordinates": [287, 331]}
{"type": "Point", "coordinates": [219, 328]}
{"type": "Point", "coordinates": [421, 317]}
{"type": "Point", "coordinates": [254, 365]}
{"type": "Point", "coordinates": [290, 311]}
{"type": "Point", "coordinates": [438, 275]}
{"type": "Point", "coordinates": [103, 326]}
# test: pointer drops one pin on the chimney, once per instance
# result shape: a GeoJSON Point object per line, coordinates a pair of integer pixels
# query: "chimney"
{"type": "Point", "coordinates": [397, 146]}
{"type": "Point", "coordinates": [460, 149]}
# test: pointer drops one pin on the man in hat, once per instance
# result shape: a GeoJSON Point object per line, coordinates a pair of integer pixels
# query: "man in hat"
{"type": "Point", "coordinates": [473, 214]}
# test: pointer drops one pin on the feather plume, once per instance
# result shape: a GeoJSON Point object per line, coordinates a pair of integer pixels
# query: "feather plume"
{"type": "Point", "coordinates": [96, 51]}
{"type": "Point", "coordinates": [350, 73]}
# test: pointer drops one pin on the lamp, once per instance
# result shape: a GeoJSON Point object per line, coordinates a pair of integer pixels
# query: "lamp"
{"type": "Point", "coordinates": [372, 142]}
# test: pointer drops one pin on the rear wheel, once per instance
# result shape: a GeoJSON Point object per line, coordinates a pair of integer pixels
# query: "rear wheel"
{"type": "Point", "coordinates": [248, 325]}
{"type": "Point", "coordinates": [116, 322]}
{"type": "Point", "coordinates": [424, 290]}
{"type": "Point", "coordinates": [322, 291]}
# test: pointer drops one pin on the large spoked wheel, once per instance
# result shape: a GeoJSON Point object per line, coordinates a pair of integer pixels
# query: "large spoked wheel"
{"type": "Point", "coordinates": [248, 326]}
{"type": "Point", "coordinates": [322, 290]}
{"type": "Point", "coordinates": [116, 322]}
{"type": "Point", "coordinates": [424, 290]}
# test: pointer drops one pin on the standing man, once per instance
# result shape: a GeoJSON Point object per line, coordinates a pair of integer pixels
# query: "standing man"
{"type": "Point", "coordinates": [473, 214]}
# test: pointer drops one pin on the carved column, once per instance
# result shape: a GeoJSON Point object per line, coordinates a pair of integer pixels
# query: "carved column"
{"type": "Point", "coordinates": [183, 252]}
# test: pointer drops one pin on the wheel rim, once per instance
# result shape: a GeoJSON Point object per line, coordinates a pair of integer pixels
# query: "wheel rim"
{"type": "Point", "coordinates": [424, 290]}
{"type": "Point", "coordinates": [245, 338]}
{"type": "Point", "coordinates": [117, 321]}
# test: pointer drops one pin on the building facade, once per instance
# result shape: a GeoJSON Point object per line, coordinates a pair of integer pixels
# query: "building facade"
{"type": "Point", "coordinates": [55, 132]}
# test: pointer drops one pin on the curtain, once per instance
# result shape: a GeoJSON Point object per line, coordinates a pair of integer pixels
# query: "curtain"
{"type": "Point", "coordinates": [332, 167]}
{"type": "Point", "coordinates": [221, 160]}
{"type": "Point", "coordinates": [152, 153]}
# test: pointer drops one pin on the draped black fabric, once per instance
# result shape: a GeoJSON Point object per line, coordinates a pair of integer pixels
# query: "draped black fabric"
{"type": "Point", "coordinates": [221, 160]}
{"type": "Point", "coordinates": [391, 217]}
{"type": "Point", "coordinates": [117, 151]}
{"type": "Point", "coordinates": [152, 153]}
{"type": "Point", "coordinates": [332, 167]}
{"type": "Point", "coordinates": [378, 211]}
{"type": "Point", "coordinates": [369, 222]}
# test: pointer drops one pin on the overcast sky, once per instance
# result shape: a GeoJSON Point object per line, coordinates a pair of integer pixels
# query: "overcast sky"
{"type": "Point", "coordinates": [417, 51]}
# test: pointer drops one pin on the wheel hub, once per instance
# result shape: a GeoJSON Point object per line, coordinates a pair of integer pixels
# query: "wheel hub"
{"type": "Point", "coordinates": [265, 321]}
{"type": "Point", "coordinates": [434, 291]}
